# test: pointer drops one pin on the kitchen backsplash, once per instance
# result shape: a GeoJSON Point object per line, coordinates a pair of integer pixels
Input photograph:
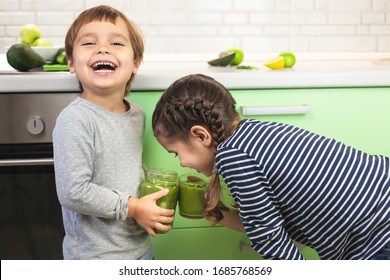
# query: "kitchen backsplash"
{"type": "Point", "coordinates": [199, 26]}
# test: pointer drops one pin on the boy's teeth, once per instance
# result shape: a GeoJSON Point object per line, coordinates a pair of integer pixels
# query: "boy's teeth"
{"type": "Point", "coordinates": [104, 63]}
{"type": "Point", "coordinates": [103, 66]}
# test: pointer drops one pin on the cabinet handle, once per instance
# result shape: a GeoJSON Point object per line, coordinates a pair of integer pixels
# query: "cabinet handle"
{"type": "Point", "coordinates": [246, 248]}
{"type": "Point", "coordinates": [26, 162]}
{"type": "Point", "coordinates": [275, 110]}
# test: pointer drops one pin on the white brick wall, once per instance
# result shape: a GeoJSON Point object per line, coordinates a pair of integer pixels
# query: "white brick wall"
{"type": "Point", "coordinates": [182, 26]}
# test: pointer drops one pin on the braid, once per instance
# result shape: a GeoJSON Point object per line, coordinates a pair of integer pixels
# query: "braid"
{"type": "Point", "coordinates": [205, 110]}
{"type": "Point", "coordinates": [217, 127]}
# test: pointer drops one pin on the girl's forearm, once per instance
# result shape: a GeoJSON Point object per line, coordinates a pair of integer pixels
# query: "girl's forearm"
{"type": "Point", "coordinates": [231, 219]}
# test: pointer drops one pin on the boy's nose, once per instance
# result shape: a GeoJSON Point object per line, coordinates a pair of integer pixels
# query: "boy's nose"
{"type": "Point", "coordinates": [103, 49]}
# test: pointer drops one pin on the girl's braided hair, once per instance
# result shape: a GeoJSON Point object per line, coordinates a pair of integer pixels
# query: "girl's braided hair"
{"type": "Point", "coordinates": [197, 100]}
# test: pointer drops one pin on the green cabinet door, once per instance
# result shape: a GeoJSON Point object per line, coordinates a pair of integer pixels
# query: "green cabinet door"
{"type": "Point", "coordinates": [216, 243]}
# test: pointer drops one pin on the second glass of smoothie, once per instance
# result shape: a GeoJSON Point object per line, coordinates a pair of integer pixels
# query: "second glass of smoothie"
{"type": "Point", "coordinates": [191, 196]}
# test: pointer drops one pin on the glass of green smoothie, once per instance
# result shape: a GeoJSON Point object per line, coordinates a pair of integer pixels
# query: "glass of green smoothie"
{"type": "Point", "coordinates": [191, 196]}
{"type": "Point", "coordinates": [158, 179]}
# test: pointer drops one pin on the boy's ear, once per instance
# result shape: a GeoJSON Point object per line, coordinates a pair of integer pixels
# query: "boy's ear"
{"type": "Point", "coordinates": [202, 134]}
{"type": "Point", "coordinates": [136, 67]}
{"type": "Point", "coordinates": [70, 66]}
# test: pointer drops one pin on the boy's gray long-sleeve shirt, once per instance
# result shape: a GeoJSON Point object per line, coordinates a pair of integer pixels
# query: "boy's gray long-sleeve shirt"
{"type": "Point", "coordinates": [98, 166]}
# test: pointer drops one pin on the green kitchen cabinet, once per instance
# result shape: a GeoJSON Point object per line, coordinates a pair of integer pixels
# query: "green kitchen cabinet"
{"type": "Point", "coordinates": [203, 243]}
{"type": "Point", "coordinates": [359, 117]}
{"type": "Point", "coordinates": [209, 243]}
{"type": "Point", "coordinates": [355, 116]}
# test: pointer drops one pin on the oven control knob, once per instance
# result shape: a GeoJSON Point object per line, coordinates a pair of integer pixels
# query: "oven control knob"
{"type": "Point", "coordinates": [35, 125]}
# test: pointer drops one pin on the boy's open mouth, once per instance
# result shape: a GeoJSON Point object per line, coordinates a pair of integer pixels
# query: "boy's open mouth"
{"type": "Point", "coordinates": [103, 66]}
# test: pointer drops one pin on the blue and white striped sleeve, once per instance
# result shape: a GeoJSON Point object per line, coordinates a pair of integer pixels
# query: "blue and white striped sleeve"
{"type": "Point", "coordinates": [257, 204]}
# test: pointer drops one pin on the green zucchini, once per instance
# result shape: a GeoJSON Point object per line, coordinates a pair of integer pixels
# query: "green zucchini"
{"type": "Point", "coordinates": [23, 58]}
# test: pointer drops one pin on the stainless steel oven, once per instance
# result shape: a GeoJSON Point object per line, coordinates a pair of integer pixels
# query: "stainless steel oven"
{"type": "Point", "coordinates": [30, 215]}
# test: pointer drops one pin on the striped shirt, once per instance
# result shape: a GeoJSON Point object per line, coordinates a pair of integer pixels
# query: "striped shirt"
{"type": "Point", "coordinates": [291, 184]}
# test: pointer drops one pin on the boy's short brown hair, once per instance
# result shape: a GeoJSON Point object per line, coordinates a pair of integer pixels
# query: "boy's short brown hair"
{"type": "Point", "coordinates": [106, 13]}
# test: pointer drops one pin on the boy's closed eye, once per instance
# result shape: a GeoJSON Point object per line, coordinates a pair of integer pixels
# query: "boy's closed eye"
{"type": "Point", "coordinates": [118, 44]}
{"type": "Point", "coordinates": [88, 44]}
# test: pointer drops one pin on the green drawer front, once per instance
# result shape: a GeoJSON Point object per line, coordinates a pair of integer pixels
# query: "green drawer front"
{"type": "Point", "coordinates": [216, 243]}
{"type": "Point", "coordinates": [202, 244]}
{"type": "Point", "coordinates": [356, 116]}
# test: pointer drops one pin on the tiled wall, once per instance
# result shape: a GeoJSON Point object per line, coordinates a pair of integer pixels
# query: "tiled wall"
{"type": "Point", "coordinates": [184, 26]}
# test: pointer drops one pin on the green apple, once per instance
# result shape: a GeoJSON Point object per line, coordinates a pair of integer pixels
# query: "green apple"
{"type": "Point", "coordinates": [41, 42]}
{"type": "Point", "coordinates": [29, 33]}
{"type": "Point", "coordinates": [239, 55]}
{"type": "Point", "coordinates": [289, 59]}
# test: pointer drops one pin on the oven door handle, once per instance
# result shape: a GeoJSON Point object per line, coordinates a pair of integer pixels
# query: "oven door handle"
{"type": "Point", "coordinates": [26, 162]}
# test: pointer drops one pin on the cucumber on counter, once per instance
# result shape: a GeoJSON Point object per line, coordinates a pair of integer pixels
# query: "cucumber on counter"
{"type": "Point", "coordinates": [60, 57]}
{"type": "Point", "coordinates": [22, 57]}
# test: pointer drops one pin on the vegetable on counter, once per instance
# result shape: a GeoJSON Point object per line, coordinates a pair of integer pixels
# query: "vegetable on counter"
{"type": "Point", "coordinates": [232, 57]}
{"type": "Point", "coordinates": [223, 60]}
{"type": "Point", "coordinates": [247, 67]}
{"type": "Point", "coordinates": [60, 57]}
{"type": "Point", "coordinates": [23, 58]}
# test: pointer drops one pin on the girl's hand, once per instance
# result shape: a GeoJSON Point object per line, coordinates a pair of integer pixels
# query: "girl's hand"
{"type": "Point", "coordinates": [231, 219]}
{"type": "Point", "coordinates": [150, 216]}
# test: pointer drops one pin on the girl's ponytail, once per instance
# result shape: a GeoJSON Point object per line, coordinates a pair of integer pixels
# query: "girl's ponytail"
{"type": "Point", "coordinates": [213, 204]}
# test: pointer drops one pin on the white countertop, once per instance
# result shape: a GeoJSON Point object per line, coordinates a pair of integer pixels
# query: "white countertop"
{"type": "Point", "coordinates": [158, 71]}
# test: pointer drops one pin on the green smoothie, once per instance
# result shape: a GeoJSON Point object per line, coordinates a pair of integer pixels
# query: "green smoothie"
{"type": "Point", "coordinates": [158, 179]}
{"type": "Point", "coordinates": [191, 196]}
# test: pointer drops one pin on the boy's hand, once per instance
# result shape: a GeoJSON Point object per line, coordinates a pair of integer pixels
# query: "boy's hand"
{"type": "Point", "coordinates": [150, 216]}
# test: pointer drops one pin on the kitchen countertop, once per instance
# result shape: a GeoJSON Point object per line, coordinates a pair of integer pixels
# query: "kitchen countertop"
{"type": "Point", "coordinates": [158, 71]}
